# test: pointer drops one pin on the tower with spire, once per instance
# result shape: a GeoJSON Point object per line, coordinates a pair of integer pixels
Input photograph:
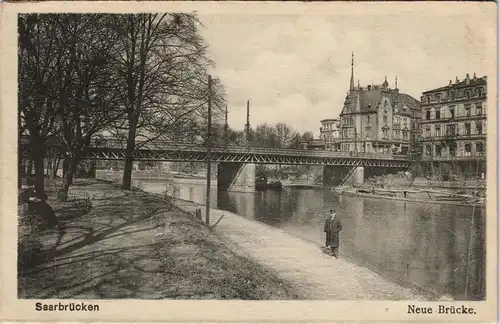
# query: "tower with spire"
{"type": "Point", "coordinates": [351, 87]}
{"type": "Point", "coordinates": [377, 118]}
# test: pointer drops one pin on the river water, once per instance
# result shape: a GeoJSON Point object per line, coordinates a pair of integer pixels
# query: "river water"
{"type": "Point", "coordinates": [436, 248]}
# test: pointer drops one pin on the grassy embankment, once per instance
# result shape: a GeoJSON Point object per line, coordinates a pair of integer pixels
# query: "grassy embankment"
{"type": "Point", "coordinates": [134, 245]}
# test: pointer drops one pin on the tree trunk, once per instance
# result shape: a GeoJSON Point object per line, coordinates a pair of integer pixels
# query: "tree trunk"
{"type": "Point", "coordinates": [50, 161]}
{"type": "Point", "coordinates": [39, 173]}
{"type": "Point", "coordinates": [55, 167]}
{"type": "Point", "coordinates": [62, 194]}
{"type": "Point", "coordinates": [66, 166]}
{"type": "Point", "coordinates": [37, 155]}
{"type": "Point", "coordinates": [129, 160]}
{"type": "Point", "coordinates": [29, 171]}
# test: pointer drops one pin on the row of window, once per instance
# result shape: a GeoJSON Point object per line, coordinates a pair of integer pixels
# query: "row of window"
{"type": "Point", "coordinates": [478, 92]}
{"type": "Point", "coordinates": [450, 151]}
{"type": "Point", "coordinates": [451, 130]}
{"type": "Point", "coordinates": [451, 112]}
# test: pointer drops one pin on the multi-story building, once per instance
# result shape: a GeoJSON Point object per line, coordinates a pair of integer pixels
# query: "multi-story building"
{"type": "Point", "coordinates": [378, 119]}
{"type": "Point", "coordinates": [329, 133]}
{"type": "Point", "coordinates": [453, 121]}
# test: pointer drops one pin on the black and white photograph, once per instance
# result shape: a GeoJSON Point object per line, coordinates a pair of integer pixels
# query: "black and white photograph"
{"type": "Point", "coordinates": [256, 156]}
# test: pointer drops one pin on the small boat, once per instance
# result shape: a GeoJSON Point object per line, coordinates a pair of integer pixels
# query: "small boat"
{"type": "Point", "coordinates": [262, 183]}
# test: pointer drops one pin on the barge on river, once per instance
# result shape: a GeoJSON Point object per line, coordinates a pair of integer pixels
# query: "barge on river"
{"type": "Point", "coordinates": [415, 195]}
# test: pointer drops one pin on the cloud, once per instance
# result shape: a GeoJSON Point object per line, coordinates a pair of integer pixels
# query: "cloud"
{"type": "Point", "coordinates": [296, 68]}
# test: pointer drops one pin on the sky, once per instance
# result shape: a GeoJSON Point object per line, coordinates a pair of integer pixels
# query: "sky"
{"type": "Point", "coordinates": [295, 68]}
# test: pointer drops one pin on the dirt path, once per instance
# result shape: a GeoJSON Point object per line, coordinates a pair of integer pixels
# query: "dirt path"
{"type": "Point", "coordinates": [314, 274]}
{"type": "Point", "coordinates": [135, 245]}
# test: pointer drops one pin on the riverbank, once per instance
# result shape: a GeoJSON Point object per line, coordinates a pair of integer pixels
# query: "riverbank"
{"type": "Point", "coordinates": [135, 245]}
{"type": "Point", "coordinates": [313, 274]}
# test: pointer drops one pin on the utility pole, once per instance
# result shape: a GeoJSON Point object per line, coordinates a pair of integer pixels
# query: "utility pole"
{"type": "Point", "coordinates": [226, 128]}
{"type": "Point", "coordinates": [247, 126]}
{"type": "Point", "coordinates": [209, 150]}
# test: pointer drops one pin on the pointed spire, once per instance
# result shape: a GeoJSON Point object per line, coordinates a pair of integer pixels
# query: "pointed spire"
{"type": "Point", "coordinates": [385, 85]}
{"type": "Point", "coordinates": [351, 87]}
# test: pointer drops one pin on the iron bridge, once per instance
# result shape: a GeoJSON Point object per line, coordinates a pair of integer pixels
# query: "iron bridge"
{"type": "Point", "coordinates": [167, 151]}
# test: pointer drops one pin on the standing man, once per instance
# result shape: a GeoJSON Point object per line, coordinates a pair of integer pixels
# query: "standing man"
{"type": "Point", "coordinates": [327, 229]}
{"type": "Point", "coordinates": [334, 227]}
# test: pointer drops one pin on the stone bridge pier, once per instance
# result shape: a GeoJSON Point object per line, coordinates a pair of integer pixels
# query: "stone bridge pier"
{"type": "Point", "coordinates": [236, 177]}
{"type": "Point", "coordinates": [333, 175]}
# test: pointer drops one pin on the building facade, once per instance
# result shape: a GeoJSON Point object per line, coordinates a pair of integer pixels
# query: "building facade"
{"type": "Point", "coordinates": [453, 120]}
{"type": "Point", "coordinates": [378, 119]}
{"type": "Point", "coordinates": [330, 134]}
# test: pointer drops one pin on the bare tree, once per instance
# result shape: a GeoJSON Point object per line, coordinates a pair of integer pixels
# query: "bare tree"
{"type": "Point", "coordinates": [88, 98]}
{"type": "Point", "coordinates": [38, 56]}
{"type": "Point", "coordinates": [162, 61]}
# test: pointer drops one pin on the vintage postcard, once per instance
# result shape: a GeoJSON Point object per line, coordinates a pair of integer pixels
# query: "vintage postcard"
{"type": "Point", "coordinates": [248, 162]}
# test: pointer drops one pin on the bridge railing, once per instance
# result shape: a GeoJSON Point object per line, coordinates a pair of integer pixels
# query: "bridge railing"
{"type": "Point", "coordinates": [196, 147]}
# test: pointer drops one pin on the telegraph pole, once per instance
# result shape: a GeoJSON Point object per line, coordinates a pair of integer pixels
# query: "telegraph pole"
{"type": "Point", "coordinates": [247, 126]}
{"type": "Point", "coordinates": [209, 150]}
{"type": "Point", "coordinates": [226, 128]}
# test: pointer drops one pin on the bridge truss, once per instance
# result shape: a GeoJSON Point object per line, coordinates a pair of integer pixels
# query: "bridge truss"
{"type": "Point", "coordinates": [111, 149]}
{"type": "Point", "coordinates": [237, 157]}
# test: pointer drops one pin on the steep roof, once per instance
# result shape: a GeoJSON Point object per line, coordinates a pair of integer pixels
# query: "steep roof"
{"type": "Point", "coordinates": [370, 99]}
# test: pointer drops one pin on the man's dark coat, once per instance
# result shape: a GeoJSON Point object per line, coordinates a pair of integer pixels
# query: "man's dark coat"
{"type": "Point", "coordinates": [332, 229]}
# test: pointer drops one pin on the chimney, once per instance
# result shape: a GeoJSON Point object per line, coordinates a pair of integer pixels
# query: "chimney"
{"type": "Point", "coordinates": [449, 85]}
{"type": "Point", "coordinates": [456, 80]}
{"type": "Point", "coordinates": [474, 76]}
{"type": "Point", "coordinates": [467, 79]}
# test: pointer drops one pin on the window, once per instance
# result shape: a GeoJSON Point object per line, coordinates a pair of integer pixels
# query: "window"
{"type": "Point", "coordinates": [452, 94]}
{"type": "Point", "coordinates": [450, 130]}
{"type": "Point", "coordinates": [398, 120]}
{"type": "Point", "coordinates": [438, 131]}
{"type": "Point", "coordinates": [452, 112]}
{"type": "Point", "coordinates": [438, 114]}
{"type": "Point", "coordinates": [467, 94]}
{"type": "Point", "coordinates": [428, 115]}
{"type": "Point", "coordinates": [368, 119]}
{"type": "Point", "coordinates": [452, 150]}
{"type": "Point", "coordinates": [405, 122]}
{"type": "Point", "coordinates": [405, 135]}
{"type": "Point", "coordinates": [479, 128]}
{"type": "Point", "coordinates": [428, 132]}
{"type": "Point", "coordinates": [438, 96]}
{"type": "Point", "coordinates": [385, 119]}
{"type": "Point", "coordinates": [467, 128]}
{"type": "Point", "coordinates": [414, 125]}
{"type": "Point", "coordinates": [385, 133]}
{"type": "Point", "coordinates": [479, 147]}
{"type": "Point", "coordinates": [467, 110]}
{"type": "Point", "coordinates": [468, 149]}
{"type": "Point", "coordinates": [479, 109]}
{"type": "Point", "coordinates": [428, 99]}
{"type": "Point", "coordinates": [428, 149]}
{"type": "Point", "coordinates": [438, 150]}
{"type": "Point", "coordinates": [479, 92]}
